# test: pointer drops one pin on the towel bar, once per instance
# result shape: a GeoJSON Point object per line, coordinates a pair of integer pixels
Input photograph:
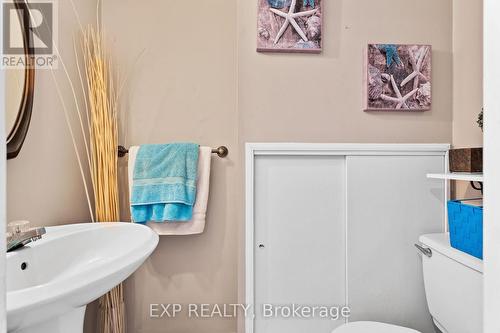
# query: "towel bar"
{"type": "Point", "coordinates": [221, 151]}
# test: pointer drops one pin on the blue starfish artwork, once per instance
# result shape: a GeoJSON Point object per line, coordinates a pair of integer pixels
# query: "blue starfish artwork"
{"type": "Point", "coordinates": [309, 2]}
{"type": "Point", "coordinates": [391, 54]}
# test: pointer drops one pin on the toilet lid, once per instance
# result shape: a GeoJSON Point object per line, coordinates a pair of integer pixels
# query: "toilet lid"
{"type": "Point", "coordinates": [372, 327]}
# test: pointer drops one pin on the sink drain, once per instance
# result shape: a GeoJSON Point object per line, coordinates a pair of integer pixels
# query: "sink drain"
{"type": "Point", "coordinates": [24, 265]}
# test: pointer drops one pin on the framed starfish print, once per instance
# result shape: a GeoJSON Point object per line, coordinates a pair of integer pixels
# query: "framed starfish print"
{"type": "Point", "coordinates": [289, 26]}
{"type": "Point", "coordinates": [398, 77]}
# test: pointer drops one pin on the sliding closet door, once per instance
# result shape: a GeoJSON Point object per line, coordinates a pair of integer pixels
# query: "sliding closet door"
{"type": "Point", "coordinates": [299, 249]}
{"type": "Point", "coordinates": [390, 203]}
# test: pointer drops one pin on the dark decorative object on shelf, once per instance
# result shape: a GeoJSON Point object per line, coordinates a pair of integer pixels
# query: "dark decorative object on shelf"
{"type": "Point", "coordinates": [466, 160]}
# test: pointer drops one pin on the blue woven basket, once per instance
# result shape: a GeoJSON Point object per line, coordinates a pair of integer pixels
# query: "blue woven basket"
{"type": "Point", "coordinates": [466, 227]}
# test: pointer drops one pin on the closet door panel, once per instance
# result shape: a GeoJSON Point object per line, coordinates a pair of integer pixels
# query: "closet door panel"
{"type": "Point", "coordinates": [299, 249]}
{"type": "Point", "coordinates": [390, 203]}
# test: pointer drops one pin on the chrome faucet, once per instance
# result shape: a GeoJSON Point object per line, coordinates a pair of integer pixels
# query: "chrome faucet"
{"type": "Point", "coordinates": [18, 237]}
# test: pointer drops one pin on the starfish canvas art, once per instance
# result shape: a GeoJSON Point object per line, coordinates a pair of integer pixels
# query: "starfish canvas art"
{"type": "Point", "coordinates": [289, 26]}
{"type": "Point", "coordinates": [398, 77]}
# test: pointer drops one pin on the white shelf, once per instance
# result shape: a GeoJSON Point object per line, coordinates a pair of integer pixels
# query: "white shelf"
{"type": "Point", "coordinates": [473, 177]}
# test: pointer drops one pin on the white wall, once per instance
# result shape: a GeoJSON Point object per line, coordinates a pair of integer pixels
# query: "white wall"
{"type": "Point", "coordinates": [491, 167]}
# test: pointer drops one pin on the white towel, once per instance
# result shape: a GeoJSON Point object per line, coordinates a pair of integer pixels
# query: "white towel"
{"type": "Point", "coordinates": [197, 224]}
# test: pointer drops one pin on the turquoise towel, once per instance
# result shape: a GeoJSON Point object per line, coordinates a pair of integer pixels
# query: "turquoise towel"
{"type": "Point", "coordinates": [164, 184]}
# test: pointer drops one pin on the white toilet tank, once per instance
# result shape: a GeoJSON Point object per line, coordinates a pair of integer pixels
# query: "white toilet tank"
{"type": "Point", "coordinates": [453, 286]}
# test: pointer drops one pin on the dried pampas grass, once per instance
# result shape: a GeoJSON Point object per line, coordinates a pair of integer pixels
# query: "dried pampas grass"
{"type": "Point", "coordinates": [102, 110]}
{"type": "Point", "coordinates": [103, 127]}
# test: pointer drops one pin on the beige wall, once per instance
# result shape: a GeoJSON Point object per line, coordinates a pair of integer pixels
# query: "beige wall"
{"type": "Point", "coordinates": [193, 74]}
{"type": "Point", "coordinates": [290, 97]}
{"type": "Point", "coordinates": [467, 80]}
{"type": "Point", "coordinates": [44, 183]}
{"type": "Point", "coordinates": [182, 87]}
{"type": "Point", "coordinates": [467, 72]}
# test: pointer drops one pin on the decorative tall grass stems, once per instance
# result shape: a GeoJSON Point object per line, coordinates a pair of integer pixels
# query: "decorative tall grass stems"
{"type": "Point", "coordinates": [102, 109]}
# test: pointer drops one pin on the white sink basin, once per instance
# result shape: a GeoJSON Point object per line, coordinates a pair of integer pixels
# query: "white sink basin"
{"type": "Point", "coordinates": [50, 281]}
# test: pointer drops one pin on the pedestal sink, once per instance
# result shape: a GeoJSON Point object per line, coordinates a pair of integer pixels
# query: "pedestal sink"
{"type": "Point", "coordinates": [50, 281]}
